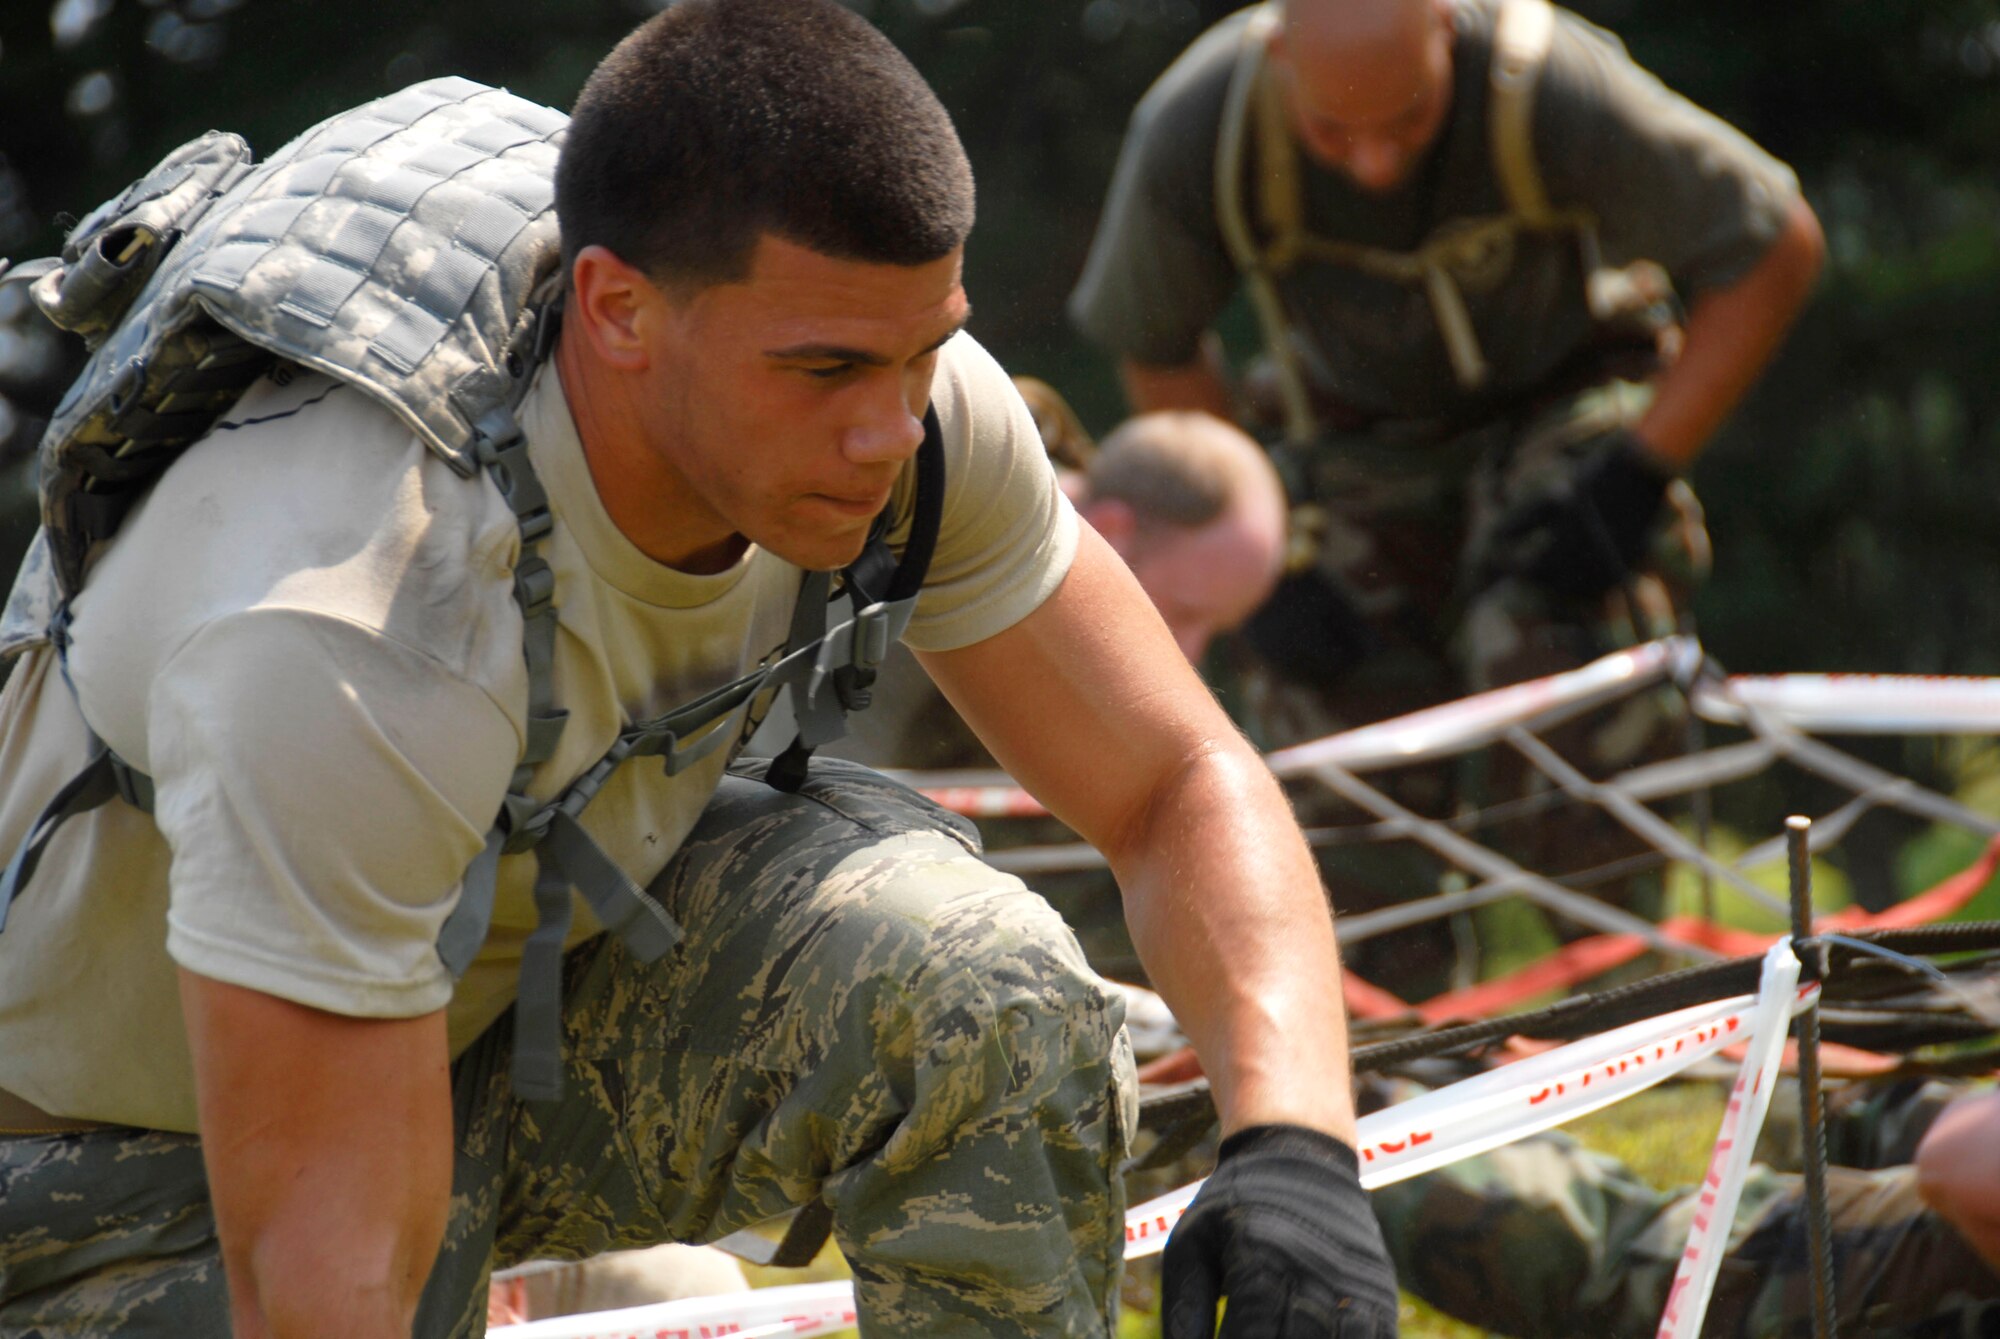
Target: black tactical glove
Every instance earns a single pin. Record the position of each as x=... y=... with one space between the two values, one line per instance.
x=1285 y=1232
x=1588 y=535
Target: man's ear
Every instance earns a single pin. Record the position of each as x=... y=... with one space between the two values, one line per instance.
x=1115 y=520
x=613 y=303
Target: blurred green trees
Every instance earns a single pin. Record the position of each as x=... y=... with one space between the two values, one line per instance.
x=1854 y=500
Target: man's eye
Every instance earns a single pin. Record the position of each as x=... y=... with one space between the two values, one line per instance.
x=828 y=373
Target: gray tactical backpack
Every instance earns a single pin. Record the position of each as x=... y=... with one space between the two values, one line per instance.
x=407 y=248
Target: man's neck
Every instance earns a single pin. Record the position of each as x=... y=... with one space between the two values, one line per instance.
x=646 y=498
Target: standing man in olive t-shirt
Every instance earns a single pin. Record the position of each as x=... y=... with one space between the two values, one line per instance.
x=1457 y=223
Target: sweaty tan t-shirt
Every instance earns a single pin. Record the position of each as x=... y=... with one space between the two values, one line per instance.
x=307 y=636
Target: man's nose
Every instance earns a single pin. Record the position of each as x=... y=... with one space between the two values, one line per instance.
x=887 y=430
x=1374 y=161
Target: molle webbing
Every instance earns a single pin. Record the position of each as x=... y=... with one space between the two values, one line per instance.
x=393 y=247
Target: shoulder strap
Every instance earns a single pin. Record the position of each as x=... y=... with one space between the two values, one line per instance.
x=1522 y=35
x=1252 y=102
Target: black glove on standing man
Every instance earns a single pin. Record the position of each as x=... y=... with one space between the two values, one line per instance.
x=1590 y=534
x=1284 y=1231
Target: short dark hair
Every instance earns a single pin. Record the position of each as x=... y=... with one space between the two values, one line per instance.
x=717 y=121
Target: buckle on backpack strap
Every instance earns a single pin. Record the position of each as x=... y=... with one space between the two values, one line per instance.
x=874 y=628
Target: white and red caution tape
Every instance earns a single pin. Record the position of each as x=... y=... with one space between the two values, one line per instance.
x=1502 y=1105
x=1841 y=703
x=798 y=1310
x=1408 y=1139
x=1722 y=1188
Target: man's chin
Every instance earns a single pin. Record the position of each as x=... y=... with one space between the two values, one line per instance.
x=819 y=553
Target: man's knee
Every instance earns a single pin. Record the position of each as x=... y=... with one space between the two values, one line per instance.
x=881 y=948
x=976 y=977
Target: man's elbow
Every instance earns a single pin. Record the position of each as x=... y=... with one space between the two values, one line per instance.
x=1200 y=383
x=289 y=1280
x=1796 y=257
x=1218 y=773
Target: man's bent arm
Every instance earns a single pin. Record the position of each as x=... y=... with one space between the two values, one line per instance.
x=1088 y=702
x=328 y=1144
x=1202 y=383
x=1731 y=335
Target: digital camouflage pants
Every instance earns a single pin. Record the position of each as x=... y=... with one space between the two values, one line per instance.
x=861 y=1010
x=1546 y=1240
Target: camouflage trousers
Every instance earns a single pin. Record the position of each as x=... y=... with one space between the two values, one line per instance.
x=1405 y=597
x=1546 y=1239
x=861 y=1011
x=1407 y=603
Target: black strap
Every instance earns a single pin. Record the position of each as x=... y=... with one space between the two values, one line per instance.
x=854 y=682
x=91 y=786
x=103 y=776
x=929 y=517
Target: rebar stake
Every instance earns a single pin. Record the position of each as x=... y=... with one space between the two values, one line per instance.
x=1812 y=1106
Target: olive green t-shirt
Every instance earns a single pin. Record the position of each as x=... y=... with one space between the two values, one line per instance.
x=1667 y=181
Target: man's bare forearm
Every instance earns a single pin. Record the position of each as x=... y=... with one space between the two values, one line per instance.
x=1248 y=963
x=1125 y=745
x=328 y=1146
x=1732 y=334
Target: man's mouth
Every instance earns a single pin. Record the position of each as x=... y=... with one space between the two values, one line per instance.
x=851 y=506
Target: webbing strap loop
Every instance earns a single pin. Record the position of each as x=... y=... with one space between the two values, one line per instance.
x=570 y=858
x=464 y=930
x=538 y=1008
x=619 y=904
x=95 y=783
x=133 y=786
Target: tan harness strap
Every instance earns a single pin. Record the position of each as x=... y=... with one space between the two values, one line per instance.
x=1248 y=86
x=1524 y=31
x=1280 y=196
x=1521 y=37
